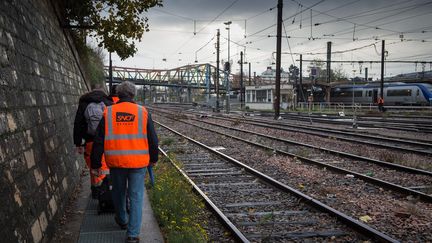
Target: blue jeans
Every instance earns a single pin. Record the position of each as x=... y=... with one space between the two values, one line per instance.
x=150 y=171
x=133 y=181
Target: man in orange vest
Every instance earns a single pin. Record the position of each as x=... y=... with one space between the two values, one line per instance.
x=127 y=138
x=381 y=104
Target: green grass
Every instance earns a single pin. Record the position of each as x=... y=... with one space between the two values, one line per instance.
x=167 y=141
x=177 y=208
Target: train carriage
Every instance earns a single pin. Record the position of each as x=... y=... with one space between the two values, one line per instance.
x=394 y=94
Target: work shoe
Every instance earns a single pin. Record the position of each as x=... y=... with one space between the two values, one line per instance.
x=122 y=226
x=132 y=240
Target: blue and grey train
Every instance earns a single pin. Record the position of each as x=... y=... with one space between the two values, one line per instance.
x=394 y=93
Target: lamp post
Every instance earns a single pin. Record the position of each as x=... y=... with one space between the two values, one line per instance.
x=110 y=74
x=228 y=69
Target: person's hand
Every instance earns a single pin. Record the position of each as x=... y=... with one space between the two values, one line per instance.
x=95 y=172
x=79 y=149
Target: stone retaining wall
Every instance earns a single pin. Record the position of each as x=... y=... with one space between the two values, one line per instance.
x=40 y=84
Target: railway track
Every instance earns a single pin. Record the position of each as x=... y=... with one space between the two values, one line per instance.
x=400 y=144
x=393 y=124
x=255 y=206
x=346 y=192
x=418 y=147
x=402 y=179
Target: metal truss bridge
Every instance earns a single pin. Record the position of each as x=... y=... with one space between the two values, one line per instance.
x=198 y=76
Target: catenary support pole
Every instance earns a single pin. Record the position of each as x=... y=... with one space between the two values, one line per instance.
x=366 y=74
x=278 y=59
x=300 y=89
x=228 y=71
x=382 y=68
x=250 y=82
x=329 y=45
x=217 y=70
x=241 y=81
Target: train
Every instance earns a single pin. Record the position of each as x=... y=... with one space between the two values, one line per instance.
x=394 y=94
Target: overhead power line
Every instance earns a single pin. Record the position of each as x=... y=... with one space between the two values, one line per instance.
x=370 y=12
x=206 y=44
x=390 y=22
x=349 y=30
x=289 y=46
x=173 y=14
x=375 y=20
x=263 y=12
x=313 y=5
x=226 y=9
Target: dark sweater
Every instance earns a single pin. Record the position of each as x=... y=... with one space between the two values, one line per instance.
x=99 y=139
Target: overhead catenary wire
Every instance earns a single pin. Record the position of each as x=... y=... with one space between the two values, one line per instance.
x=303 y=10
x=262 y=30
x=206 y=44
x=172 y=14
x=350 y=29
x=263 y=12
x=202 y=47
x=292 y=44
x=390 y=22
x=289 y=46
x=381 y=18
x=370 y=12
x=238 y=44
x=226 y=9
x=217 y=16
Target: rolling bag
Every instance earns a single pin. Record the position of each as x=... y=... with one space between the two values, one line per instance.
x=106 y=204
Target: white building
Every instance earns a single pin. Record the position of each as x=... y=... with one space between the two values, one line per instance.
x=262 y=97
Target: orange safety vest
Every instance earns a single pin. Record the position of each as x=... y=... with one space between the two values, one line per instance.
x=126 y=144
x=115 y=99
x=94 y=179
x=380 y=100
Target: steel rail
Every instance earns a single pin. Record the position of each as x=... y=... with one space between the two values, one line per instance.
x=416 y=142
x=344 y=122
x=355 y=224
x=344 y=154
x=222 y=217
x=396 y=126
x=409 y=142
x=385 y=184
x=254 y=121
x=412 y=143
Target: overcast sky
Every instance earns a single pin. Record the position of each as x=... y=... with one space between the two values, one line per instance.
x=405 y=25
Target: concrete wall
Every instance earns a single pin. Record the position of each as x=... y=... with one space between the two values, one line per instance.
x=40 y=84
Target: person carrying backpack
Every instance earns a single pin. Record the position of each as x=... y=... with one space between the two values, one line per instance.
x=90 y=111
x=128 y=139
